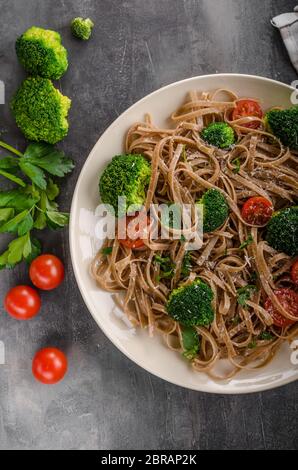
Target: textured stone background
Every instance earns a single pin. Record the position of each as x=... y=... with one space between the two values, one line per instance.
x=107 y=402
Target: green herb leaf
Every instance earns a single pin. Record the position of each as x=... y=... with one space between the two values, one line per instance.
x=18 y=249
x=26 y=225
x=36 y=175
x=186 y=264
x=191 y=342
x=18 y=199
x=244 y=294
x=107 y=251
x=48 y=158
x=35 y=250
x=12 y=225
x=40 y=221
x=253 y=344
x=57 y=219
x=246 y=242
x=236 y=162
x=266 y=335
x=6 y=214
x=9 y=164
x=167 y=267
x=52 y=190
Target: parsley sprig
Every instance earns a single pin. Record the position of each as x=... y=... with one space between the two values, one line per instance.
x=32 y=204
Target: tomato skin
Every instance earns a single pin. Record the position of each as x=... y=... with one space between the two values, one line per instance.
x=49 y=366
x=294 y=272
x=289 y=300
x=22 y=302
x=246 y=108
x=46 y=272
x=137 y=243
x=257 y=210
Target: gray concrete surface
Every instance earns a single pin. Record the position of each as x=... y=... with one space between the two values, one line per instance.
x=107 y=402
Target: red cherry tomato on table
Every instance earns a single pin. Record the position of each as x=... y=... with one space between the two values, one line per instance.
x=294 y=272
x=22 y=302
x=46 y=272
x=49 y=366
x=289 y=300
x=134 y=236
x=257 y=210
x=248 y=108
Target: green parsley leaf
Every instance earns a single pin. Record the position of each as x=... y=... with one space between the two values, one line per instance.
x=18 y=199
x=236 y=162
x=244 y=294
x=26 y=225
x=167 y=267
x=246 y=242
x=186 y=264
x=48 y=158
x=253 y=344
x=35 y=250
x=57 y=219
x=9 y=164
x=107 y=251
x=266 y=335
x=191 y=342
x=6 y=214
x=12 y=225
x=17 y=250
x=52 y=190
x=36 y=175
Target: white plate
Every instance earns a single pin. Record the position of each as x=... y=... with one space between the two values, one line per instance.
x=151 y=353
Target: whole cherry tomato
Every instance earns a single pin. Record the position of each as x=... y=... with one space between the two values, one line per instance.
x=49 y=366
x=22 y=302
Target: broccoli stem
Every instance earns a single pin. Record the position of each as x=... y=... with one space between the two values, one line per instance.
x=10 y=148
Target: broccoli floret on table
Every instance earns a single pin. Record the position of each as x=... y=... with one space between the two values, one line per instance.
x=40 y=110
x=215 y=210
x=284 y=125
x=41 y=53
x=282 y=231
x=219 y=134
x=190 y=304
x=82 y=28
x=125 y=176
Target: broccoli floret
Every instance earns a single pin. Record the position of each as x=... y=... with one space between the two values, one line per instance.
x=190 y=304
x=215 y=210
x=282 y=231
x=41 y=53
x=126 y=176
x=219 y=134
x=40 y=110
x=284 y=125
x=82 y=28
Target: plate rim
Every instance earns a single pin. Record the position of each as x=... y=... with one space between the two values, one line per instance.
x=202 y=387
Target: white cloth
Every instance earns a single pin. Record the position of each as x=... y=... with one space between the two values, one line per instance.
x=287 y=23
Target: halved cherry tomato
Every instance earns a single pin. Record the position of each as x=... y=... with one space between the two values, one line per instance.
x=22 y=302
x=49 y=365
x=245 y=108
x=134 y=235
x=294 y=272
x=257 y=210
x=46 y=272
x=289 y=300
